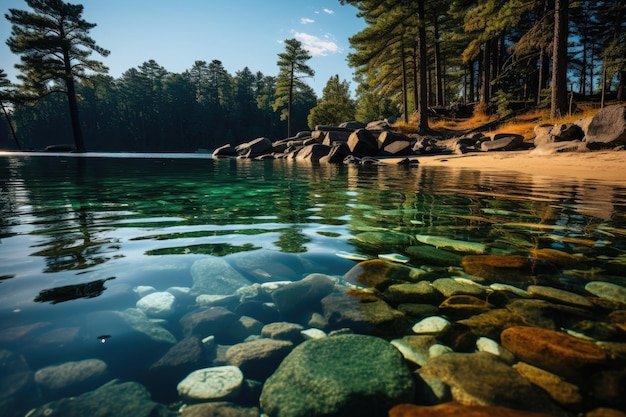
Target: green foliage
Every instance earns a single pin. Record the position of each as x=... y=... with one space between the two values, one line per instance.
x=501 y=100
x=292 y=66
x=335 y=106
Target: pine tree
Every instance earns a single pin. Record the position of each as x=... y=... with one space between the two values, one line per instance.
x=335 y=106
x=55 y=45
x=292 y=68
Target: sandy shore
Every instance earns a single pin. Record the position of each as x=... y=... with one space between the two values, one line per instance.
x=596 y=165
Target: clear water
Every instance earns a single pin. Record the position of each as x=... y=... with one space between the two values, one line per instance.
x=77 y=234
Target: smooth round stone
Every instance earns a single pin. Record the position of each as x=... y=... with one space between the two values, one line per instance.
x=607 y=290
x=484 y=344
x=144 y=290
x=559 y=296
x=211 y=384
x=430 y=325
x=157 y=304
x=309 y=334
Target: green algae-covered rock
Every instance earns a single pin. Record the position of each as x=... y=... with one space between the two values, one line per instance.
x=338 y=376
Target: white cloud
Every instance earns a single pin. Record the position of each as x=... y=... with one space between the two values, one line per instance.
x=306 y=20
x=329 y=11
x=315 y=45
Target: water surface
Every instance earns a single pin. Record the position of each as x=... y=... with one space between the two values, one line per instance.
x=79 y=233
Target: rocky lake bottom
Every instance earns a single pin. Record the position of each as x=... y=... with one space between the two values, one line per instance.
x=398 y=291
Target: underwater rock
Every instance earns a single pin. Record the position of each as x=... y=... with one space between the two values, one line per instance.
x=338 y=376
x=454 y=409
x=452 y=244
x=283 y=331
x=449 y=287
x=158 y=304
x=259 y=358
x=113 y=399
x=71 y=377
x=430 y=255
x=385 y=238
x=211 y=384
x=491 y=323
x=214 y=275
x=559 y=296
x=219 y=409
x=415 y=348
x=419 y=292
x=484 y=344
x=607 y=290
x=557 y=257
x=370 y=315
x=17 y=388
x=380 y=274
x=303 y=295
x=185 y=356
x=510 y=269
x=137 y=320
x=430 y=325
x=482 y=378
x=545 y=314
x=553 y=351
x=215 y=321
x=464 y=305
x=566 y=394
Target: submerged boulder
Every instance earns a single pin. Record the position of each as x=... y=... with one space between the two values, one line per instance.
x=338 y=376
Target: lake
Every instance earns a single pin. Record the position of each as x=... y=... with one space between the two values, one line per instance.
x=84 y=238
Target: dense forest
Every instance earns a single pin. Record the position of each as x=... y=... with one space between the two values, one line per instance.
x=412 y=55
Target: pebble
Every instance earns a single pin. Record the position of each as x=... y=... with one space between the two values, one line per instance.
x=309 y=334
x=430 y=325
x=211 y=384
x=157 y=304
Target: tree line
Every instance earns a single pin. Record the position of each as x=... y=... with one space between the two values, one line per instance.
x=412 y=55
x=427 y=53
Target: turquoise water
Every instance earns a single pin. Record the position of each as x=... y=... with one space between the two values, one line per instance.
x=79 y=234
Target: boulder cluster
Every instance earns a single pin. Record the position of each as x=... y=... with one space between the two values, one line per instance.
x=355 y=142
x=384 y=339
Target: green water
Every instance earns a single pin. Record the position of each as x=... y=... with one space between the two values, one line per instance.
x=78 y=234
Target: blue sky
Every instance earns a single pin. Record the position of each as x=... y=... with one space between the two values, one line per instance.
x=240 y=33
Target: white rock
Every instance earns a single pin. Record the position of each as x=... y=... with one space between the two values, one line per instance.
x=157 y=304
x=144 y=290
x=211 y=384
x=428 y=325
x=309 y=334
x=438 y=350
x=505 y=287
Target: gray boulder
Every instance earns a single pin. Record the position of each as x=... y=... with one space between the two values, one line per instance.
x=503 y=142
x=346 y=375
x=254 y=148
x=71 y=377
x=362 y=143
x=607 y=128
x=213 y=275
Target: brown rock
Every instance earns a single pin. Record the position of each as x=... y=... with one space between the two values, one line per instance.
x=454 y=409
x=510 y=269
x=259 y=358
x=219 y=409
x=283 y=331
x=552 y=350
x=464 y=305
x=483 y=379
x=557 y=257
x=378 y=274
x=492 y=323
x=605 y=412
x=559 y=296
x=564 y=393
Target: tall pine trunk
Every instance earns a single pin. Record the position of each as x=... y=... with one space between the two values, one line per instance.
x=559 y=106
x=73 y=104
